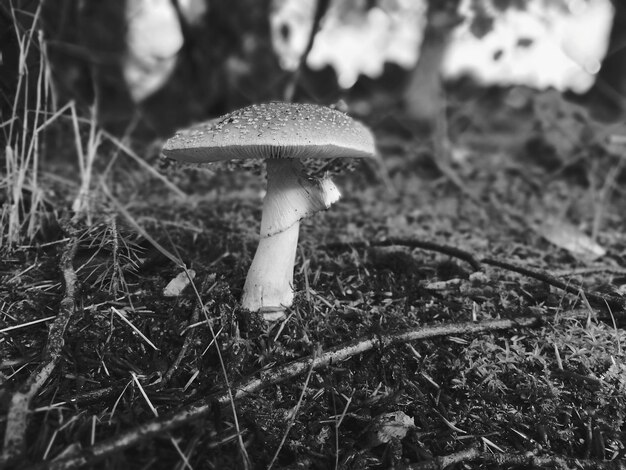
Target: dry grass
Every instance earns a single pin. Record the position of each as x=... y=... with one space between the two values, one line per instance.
x=20 y=214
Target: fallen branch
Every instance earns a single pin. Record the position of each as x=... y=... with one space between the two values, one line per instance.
x=412 y=243
x=597 y=300
x=271 y=377
x=17 y=417
x=516 y=460
x=606 y=303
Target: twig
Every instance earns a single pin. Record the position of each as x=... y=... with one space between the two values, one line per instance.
x=133 y=327
x=271 y=377
x=93 y=396
x=229 y=392
x=246 y=464
x=439 y=463
x=292 y=420
x=131 y=220
x=516 y=460
x=189 y=337
x=586 y=271
x=24 y=325
x=412 y=243
x=599 y=301
x=17 y=417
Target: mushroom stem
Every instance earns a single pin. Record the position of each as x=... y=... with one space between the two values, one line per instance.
x=291 y=196
x=268 y=287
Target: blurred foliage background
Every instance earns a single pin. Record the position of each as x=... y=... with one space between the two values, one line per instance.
x=152 y=66
x=138 y=70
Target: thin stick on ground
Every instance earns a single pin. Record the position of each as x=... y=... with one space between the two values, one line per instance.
x=189 y=337
x=190 y=333
x=274 y=376
x=598 y=300
x=229 y=393
x=292 y=420
x=516 y=460
x=133 y=222
x=229 y=396
x=17 y=417
x=412 y=243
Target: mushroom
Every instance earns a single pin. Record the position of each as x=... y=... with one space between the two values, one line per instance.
x=283 y=134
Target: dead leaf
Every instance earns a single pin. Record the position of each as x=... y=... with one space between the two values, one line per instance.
x=176 y=286
x=388 y=427
x=566 y=236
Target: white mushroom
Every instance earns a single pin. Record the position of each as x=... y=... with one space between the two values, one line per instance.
x=282 y=134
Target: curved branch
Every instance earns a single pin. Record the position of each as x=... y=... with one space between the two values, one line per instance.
x=273 y=376
x=19 y=408
x=516 y=460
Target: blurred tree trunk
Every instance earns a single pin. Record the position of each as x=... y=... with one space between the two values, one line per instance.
x=423 y=97
x=607 y=98
x=223 y=56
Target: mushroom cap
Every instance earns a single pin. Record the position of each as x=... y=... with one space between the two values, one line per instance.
x=274 y=130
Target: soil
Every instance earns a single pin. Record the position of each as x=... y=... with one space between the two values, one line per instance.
x=528 y=180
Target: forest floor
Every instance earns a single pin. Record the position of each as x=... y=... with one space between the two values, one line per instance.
x=508 y=258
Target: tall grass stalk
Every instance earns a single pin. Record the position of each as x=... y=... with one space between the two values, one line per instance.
x=86 y=157
x=19 y=217
x=33 y=110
